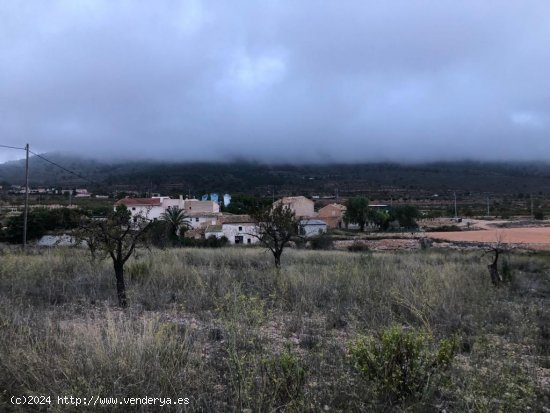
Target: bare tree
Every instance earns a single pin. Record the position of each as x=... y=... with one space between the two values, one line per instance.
x=84 y=234
x=277 y=227
x=118 y=236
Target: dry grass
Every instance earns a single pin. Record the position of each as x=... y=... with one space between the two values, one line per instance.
x=227 y=330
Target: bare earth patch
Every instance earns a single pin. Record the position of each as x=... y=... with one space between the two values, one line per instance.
x=536 y=238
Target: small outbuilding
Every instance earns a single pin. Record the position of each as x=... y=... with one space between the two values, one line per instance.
x=312 y=227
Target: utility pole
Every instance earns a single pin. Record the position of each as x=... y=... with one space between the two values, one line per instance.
x=456 y=215
x=26 y=213
x=488 y=210
x=532 y=215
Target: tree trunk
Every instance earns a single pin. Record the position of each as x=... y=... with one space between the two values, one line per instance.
x=496 y=278
x=277 y=256
x=120 y=286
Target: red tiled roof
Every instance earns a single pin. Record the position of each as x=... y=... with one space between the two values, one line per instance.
x=139 y=201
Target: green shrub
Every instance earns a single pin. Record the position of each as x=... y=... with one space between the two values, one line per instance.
x=284 y=379
x=506 y=271
x=446 y=228
x=358 y=247
x=158 y=235
x=321 y=242
x=400 y=364
x=210 y=242
x=139 y=270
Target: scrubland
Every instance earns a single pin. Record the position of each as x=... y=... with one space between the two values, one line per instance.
x=226 y=329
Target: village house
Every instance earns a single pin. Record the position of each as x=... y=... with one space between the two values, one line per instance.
x=238 y=229
x=201 y=220
x=150 y=208
x=300 y=205
x=332 y=215
x=82 y=193
x=194 y=206
x=214 y=230
x=199 y=214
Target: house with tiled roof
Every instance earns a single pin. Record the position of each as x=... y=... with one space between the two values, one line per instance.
x=199 y=213
x=300 y=205
x=332 y=215
x=238 y=229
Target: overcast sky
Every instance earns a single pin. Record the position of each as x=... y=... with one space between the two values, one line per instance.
x=277 y=80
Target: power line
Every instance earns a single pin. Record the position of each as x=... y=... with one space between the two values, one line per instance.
x=27 y=150
x=11 y=147
x=53 y=163
x=65 y=169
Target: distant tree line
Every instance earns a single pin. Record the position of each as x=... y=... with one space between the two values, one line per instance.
x=358 y=212
x=41 y=221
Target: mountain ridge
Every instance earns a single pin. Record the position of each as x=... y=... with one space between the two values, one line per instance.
x=262 y=178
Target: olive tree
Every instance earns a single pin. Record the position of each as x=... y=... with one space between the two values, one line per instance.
x=277 y=227
x=118 y=235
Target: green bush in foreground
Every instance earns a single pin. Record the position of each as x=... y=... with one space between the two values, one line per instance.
x=401 y=364
x=285 y=378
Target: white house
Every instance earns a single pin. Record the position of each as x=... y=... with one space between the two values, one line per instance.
x=238 y=229
x=150 y=208
x=201 y=220
x=312 y=227
x=213 y=231
x=82 y=193
x=153 y=208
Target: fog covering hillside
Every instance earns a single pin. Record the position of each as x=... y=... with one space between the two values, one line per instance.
x=252 y=177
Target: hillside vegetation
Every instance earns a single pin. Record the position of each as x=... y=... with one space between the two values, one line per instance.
x=377 y=179
x=329 y=331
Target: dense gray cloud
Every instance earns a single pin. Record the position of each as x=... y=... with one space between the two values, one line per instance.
x=277 y=80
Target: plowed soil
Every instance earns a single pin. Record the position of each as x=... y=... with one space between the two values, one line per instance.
x=537 y=238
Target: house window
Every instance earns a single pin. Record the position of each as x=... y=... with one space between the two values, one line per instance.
x=249 y=241
x=240 y=228
x=196 y=220
x=133 y=208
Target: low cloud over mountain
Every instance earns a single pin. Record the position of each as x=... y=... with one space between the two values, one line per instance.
x=276 y=80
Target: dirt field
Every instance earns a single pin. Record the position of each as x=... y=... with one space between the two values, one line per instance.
x=537 y=238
